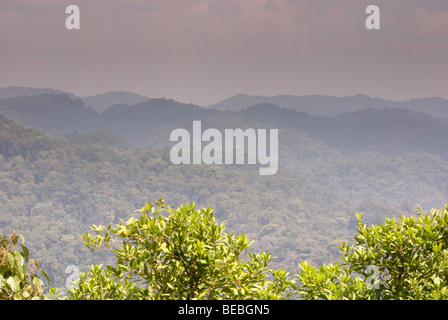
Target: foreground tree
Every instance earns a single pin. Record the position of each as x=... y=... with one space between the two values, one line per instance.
x=18 y=280
x=406 y=259
x=179 y=253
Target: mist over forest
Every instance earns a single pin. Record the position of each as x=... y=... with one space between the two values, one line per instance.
x=68 y=162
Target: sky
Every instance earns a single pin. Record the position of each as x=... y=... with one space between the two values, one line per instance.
x=204 y=51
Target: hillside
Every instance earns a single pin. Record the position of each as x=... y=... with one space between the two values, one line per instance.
x=332 y=106
x=79 y=180
x=55 y=114
x=101 y=102
x=81 y=167
x=366 y=154
x=15 y=91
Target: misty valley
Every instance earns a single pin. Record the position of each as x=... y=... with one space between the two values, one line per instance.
x=68 y=162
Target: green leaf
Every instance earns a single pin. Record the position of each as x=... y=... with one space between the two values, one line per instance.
x=13 y=283
x=43 y=272
x=38 y=281
x=163 y=248
x=26 y=253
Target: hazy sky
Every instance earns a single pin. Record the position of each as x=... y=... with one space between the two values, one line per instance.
x=203 y=51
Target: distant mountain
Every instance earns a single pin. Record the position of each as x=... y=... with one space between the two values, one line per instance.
x=239 y=102
x=98 y=102
x=56 y=114
x=14 y=91
x=101 y=102
x=311 y=104
x=372 y=115
x=151 y=122
x=141 y=123
x=387 y=131
x=332 y=106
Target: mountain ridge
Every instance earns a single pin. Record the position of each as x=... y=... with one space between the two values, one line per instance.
x=150 y=122
x=332 y=106
x=326 y=105
x=99 y=102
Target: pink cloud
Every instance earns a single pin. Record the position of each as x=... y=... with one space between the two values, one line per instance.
x=423 y=22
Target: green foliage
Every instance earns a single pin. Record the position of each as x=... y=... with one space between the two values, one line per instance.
x=409 y=260
x=18 y=141
x=179 y=253
x=17 y=278
x=185 y=254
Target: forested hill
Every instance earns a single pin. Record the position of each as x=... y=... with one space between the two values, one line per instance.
x=150 y=123
x=387 y=155
x=15 y=91
x=53 y=113
x=332 y=106
x=81 y=167
x=99 y=102
x=54 y=192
